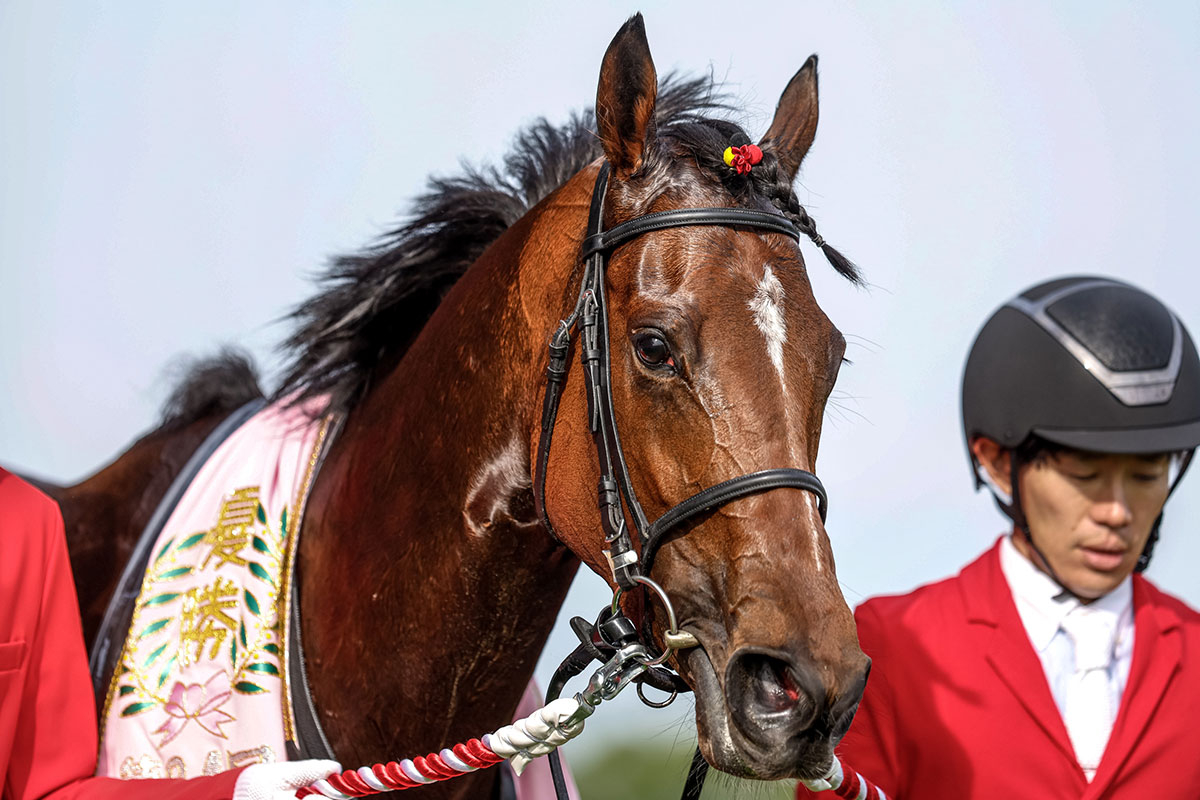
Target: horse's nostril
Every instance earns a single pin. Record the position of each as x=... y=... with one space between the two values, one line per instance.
x=775 y=687
x=782 y=703
x=769 y=687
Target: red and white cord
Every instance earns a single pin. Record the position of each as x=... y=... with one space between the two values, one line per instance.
x=850 y=786
x=524 y=740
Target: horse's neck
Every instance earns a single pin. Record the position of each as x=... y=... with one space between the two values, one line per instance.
x=428 y=585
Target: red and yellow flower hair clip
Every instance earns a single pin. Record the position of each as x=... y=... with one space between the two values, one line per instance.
x=743 y=157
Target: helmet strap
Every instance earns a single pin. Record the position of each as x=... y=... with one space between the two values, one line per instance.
x=1148 y=551
x=1017 y=514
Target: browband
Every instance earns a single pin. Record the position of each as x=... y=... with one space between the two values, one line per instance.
x=660 y=220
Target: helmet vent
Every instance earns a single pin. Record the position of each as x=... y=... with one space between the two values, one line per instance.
x=1127 y=340
x=1125 y=330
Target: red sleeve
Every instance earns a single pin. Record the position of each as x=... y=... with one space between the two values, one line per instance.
x=869 y=747
x=53 y=732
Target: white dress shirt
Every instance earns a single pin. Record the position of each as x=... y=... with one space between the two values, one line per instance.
x=1042 y=604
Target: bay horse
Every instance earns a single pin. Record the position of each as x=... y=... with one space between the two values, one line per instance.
x=429 y=579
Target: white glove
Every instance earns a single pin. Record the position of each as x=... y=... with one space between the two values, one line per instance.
x=279 y=781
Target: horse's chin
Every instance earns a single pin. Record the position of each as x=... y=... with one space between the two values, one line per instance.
x=727 y=749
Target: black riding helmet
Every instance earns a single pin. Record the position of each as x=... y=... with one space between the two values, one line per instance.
x=1085 y=362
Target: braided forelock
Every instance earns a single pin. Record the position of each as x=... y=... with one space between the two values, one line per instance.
x=705 y=141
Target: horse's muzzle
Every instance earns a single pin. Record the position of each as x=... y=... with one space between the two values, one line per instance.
x=786 y=716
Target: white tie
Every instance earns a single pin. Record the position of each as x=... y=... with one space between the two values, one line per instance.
x=1090 y=707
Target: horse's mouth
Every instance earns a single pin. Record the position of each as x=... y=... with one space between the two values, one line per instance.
x=727 y=747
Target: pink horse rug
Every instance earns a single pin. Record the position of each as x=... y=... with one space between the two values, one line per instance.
x=201 y=685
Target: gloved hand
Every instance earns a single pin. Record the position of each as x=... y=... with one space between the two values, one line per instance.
x=280 y=781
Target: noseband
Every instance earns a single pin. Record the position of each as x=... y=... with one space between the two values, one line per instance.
x=591 y=310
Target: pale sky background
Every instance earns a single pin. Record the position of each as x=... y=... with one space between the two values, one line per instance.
x=172 y=175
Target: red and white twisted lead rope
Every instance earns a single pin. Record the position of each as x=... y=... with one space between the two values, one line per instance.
x=524 y=740
x=850 y=786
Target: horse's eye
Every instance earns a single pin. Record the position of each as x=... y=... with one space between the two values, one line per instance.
x=652 y=350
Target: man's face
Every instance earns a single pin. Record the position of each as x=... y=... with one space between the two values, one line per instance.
x=1091 y=513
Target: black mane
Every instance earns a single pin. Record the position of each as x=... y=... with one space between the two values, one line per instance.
x=376 y=301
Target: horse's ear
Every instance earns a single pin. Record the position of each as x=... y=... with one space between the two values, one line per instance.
x=795 y=124
x=625 y=99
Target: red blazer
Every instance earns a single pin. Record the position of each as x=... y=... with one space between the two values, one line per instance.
x=957 y=705
x=48 y=740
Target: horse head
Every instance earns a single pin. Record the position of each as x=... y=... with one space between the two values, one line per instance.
x=721 y=363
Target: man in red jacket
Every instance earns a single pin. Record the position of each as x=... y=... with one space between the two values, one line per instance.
x=48 y=736
x=1049 y=667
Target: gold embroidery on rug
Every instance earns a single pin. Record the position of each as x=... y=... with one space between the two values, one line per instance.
x=204 y=619
x=257 y=755
x=209 y=624
x=233 y=529
x=174 y=627
x=214 y=763
x=145 y=767
x=284 y=609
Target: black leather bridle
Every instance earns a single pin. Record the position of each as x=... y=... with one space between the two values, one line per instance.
x=591 y=315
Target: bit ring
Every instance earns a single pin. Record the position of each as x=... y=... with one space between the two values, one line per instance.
x=674 y=638
x=656 y=703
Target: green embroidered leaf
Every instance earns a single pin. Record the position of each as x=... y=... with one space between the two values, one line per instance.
x=164 y=550
x=191 y=541
x=261 y=573
x=261 y=513
x=166 y=673
x=154 y=627
x=273 y=649
x=158 y=652
x=124 y=690
x=252 y=604
x=233 y=651
x=265 y=668
x=159 y=599
x=172 y=574
x=246 y=687
x=283 y=523
x=261 y=546
x=242 y=633
x=136 y=708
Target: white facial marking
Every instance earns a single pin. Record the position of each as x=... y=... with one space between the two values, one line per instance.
x=815 y=515
x=767 y=305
